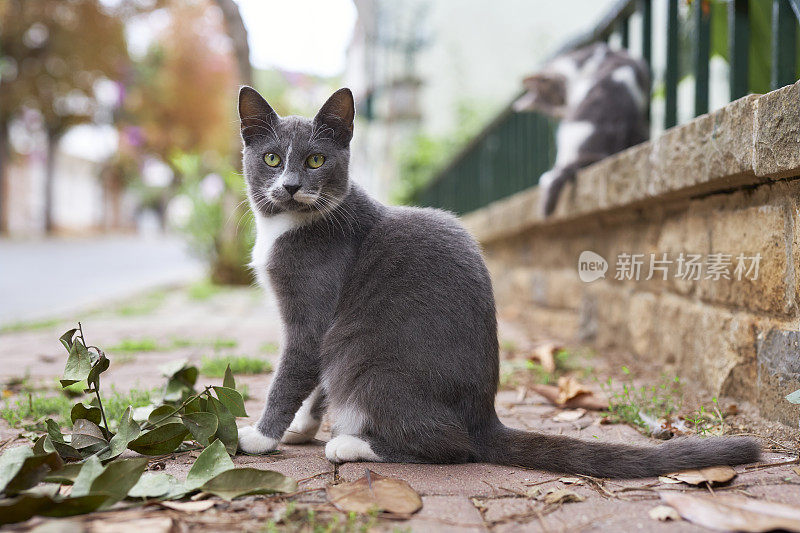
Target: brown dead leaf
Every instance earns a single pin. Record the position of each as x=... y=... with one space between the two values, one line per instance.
x=545 y=355
x=734 y=513
x=154 y=525
x=569 y=416
x=712 y=474
x=586 y=401
x=571 y=480
x=189 y=507
x=664 y=513
x=796 y=470
x=554 y=496
x=375 y=492
x=664 y=479
x=569 y=388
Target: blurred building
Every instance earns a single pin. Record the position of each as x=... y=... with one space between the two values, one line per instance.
x=415 y=66
x=83 y=202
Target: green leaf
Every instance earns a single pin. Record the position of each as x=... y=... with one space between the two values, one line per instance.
x=65 y=476
x=119 y=477
x=232 y=400
x=11 y=462
x=86 y=434
x=794 y=397
x=227 y=431
x=202 y=426
x=29 y=505
x=155 y=485
x=43 y=445
x=198 y=405
x=91 y=468
x=161 y=440
x=66 y=451
x=66 y=338
x=90 y=413
x=210 y=463
x=100 y=366
x=127 y=430
x=229 y=381
x=20 y=469
x=54 y=431
x=158 y=414
x=79 y=364
x=75 y=505
x=242 y=481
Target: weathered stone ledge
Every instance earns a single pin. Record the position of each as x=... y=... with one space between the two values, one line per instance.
x=748 y=142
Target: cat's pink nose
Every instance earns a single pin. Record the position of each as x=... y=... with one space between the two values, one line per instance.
x=291 y=189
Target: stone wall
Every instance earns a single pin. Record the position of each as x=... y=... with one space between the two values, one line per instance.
x=727 y=183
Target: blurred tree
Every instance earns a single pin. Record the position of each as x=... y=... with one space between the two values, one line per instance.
x=234 y=26
x=52 y=55
x=179 y=96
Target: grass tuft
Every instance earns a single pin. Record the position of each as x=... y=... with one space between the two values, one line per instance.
x=240 y=364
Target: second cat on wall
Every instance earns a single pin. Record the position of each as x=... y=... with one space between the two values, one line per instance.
x=600 y=96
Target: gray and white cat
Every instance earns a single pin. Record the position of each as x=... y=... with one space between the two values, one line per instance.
x=389 y=320
x=601 y=96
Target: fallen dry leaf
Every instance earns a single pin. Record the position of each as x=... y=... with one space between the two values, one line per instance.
x=796 y=470
x=569 y=416
x=664 y=479
x=664 y=513
x=712 y=474
x=545 y=355
x=585 y=401
x=375 y=492
x=571 y=480
x=569 y=388
x=734 y=513
x=562 y=496
x=189 y=507
x=154 y=525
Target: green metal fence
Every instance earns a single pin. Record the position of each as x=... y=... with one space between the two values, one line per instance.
x=512 y=152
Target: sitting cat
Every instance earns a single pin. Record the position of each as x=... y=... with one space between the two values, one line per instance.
x=389 y=320
x=601 y=96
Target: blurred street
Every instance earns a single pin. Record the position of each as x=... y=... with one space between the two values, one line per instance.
x=52 y=277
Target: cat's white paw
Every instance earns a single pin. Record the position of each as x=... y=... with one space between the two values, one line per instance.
x=303 y=429
x=252 y=441
x=348 y=448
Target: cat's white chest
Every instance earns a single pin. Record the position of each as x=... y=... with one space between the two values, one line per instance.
x=268 y=231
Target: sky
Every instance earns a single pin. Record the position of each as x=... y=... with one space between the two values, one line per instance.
x=300 y=35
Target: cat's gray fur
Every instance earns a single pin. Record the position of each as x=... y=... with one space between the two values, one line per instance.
x=389 y=321
x=601 y=96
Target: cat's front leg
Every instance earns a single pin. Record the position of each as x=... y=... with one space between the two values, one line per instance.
x=294 y=381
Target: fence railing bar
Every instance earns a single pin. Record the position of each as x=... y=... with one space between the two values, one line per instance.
x=784 y=44
x=646 y=8
x=624 y=32
x=739 y=47
x=601 y=32
x=702 y=32
x=671 y=75
x=795 y=4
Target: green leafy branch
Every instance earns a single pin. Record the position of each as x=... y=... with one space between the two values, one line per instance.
x=88 y=456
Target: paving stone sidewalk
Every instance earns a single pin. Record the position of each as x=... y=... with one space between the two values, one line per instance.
x=469 y=497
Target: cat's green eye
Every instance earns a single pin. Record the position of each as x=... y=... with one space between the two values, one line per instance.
x=315 y=161
x=272 y=160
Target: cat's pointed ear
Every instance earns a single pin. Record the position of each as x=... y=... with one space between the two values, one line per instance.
x=338 y=114
x=255 y=114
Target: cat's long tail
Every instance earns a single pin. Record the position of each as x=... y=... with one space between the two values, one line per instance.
x=558 y=453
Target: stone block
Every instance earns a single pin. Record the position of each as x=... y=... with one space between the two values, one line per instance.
x=777 y=133
x=778 y=356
